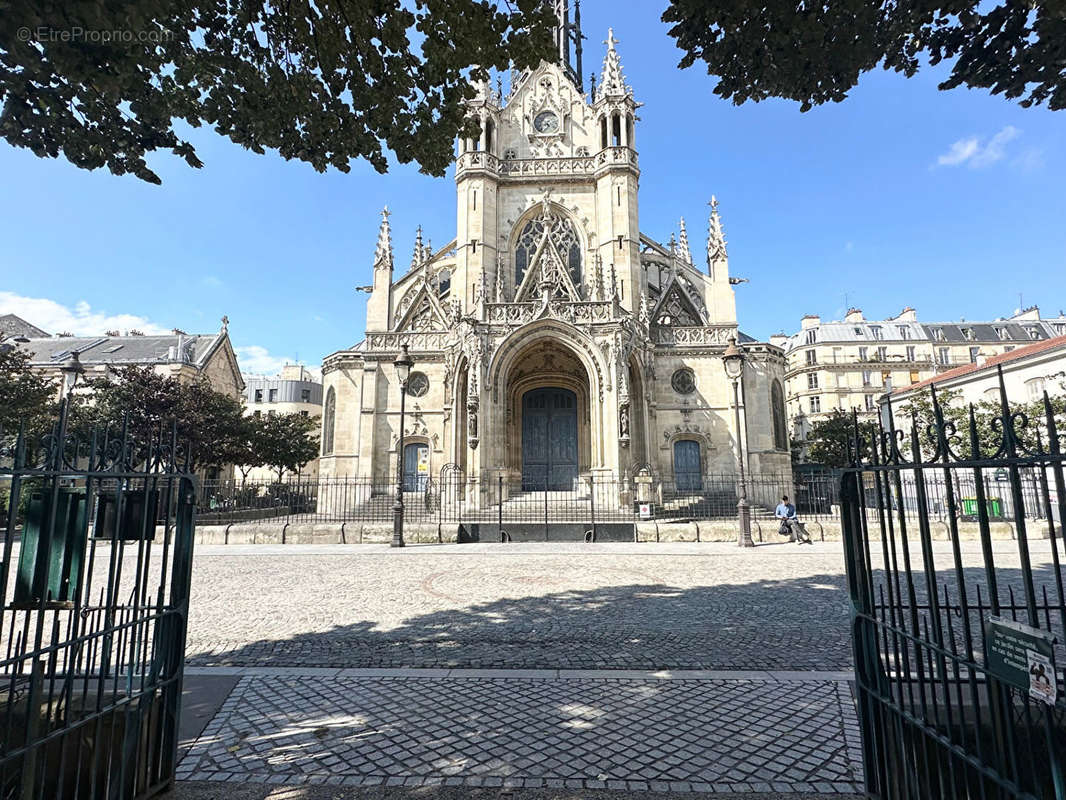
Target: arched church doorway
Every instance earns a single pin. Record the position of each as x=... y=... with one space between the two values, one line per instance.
x=548 y=414
x=549 y=439
x=688 y=467
x=415 y=467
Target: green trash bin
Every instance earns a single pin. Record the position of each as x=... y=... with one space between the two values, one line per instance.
x=50 y=555
x=993 y=505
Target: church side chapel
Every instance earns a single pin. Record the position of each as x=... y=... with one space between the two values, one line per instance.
x=553 y=340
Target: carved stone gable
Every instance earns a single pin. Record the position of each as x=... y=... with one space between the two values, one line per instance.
x=675 y=308
x=422 y=313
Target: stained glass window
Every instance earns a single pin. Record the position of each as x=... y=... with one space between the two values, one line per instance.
x=563 y=237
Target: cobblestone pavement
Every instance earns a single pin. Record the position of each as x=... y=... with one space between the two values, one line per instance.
x=637 y=606
x=521 y=606
x=632 y=734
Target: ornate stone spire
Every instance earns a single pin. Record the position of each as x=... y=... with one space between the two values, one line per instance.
x=684 y=252
x=419 y=255
x=716 y=250
x=612 y=81
x=498 y=293
x=383 y=253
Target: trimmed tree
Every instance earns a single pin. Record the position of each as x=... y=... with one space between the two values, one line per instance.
x=26 y=396
x=814 y=53
x=324 y=82
x=208 y=422
x=829 y=441
x=285 y=442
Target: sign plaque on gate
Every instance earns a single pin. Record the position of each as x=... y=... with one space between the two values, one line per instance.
x=1021 y=656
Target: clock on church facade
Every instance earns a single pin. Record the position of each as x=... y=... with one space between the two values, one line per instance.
x=553 y=338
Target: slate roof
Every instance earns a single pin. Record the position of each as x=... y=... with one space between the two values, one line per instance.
x=986 y=331
x=123 y=350
x=13 y=325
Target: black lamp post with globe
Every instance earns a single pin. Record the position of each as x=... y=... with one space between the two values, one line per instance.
x=403 y=366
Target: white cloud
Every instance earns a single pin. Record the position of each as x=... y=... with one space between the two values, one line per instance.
x=971 y=152
x=958 y=152
x=211 y=282
x=81 y=320
x=257 y=360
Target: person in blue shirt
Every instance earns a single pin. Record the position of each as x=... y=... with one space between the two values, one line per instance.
x=786 y=512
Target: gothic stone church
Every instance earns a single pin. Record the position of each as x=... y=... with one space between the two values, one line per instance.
x=553 y=340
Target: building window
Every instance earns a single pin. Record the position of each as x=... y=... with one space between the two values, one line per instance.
x=840 y=379
x=1034 y=333
x=1035 y=387
x=910 y=353
x=812 y=356
x=683 y=381
x=562 y=235
x=329 y=415
x=259 y=395
x=838 y=355
x=968 y=333
x=816 y=404
x=859 y=331
x=812 y=380
x=914 y=376
x=938 y=334
x=417 y=384
x=864 y=353
x=305 y=395
x=870 y=402
x=904 y=332
x=1008 y=348
x=444 y=283
x=812 y=336
x=867 y=377
x=974 y=353
x=882 y=354
x=1001 y=333
x=273 y=395
x=943 y=356
x=777 y=409
x=876 y=331
x=1060 y=328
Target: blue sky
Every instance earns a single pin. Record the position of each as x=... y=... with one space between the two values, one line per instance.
x=951 y=202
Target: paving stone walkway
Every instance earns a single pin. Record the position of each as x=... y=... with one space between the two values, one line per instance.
x=368 y=667
x=638 y=734
x=643 y=606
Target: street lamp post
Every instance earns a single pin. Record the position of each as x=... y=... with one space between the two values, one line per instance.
x=733 y=359
x=72 y=369
x=403 y=366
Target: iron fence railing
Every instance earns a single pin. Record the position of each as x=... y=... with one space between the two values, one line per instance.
x=94 y=594
x=960 y=653
x=452 y=496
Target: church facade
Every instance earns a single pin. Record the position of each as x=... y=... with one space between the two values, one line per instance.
x=552 y=339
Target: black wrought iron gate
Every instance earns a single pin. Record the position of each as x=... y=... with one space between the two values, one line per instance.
x=94 y=586
x=956 y=580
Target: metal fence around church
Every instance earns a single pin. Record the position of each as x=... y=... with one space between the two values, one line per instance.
x=452 y=496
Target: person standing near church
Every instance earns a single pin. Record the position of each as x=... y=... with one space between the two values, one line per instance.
x=786 y=512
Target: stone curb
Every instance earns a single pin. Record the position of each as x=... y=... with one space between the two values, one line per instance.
x=529 y=674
